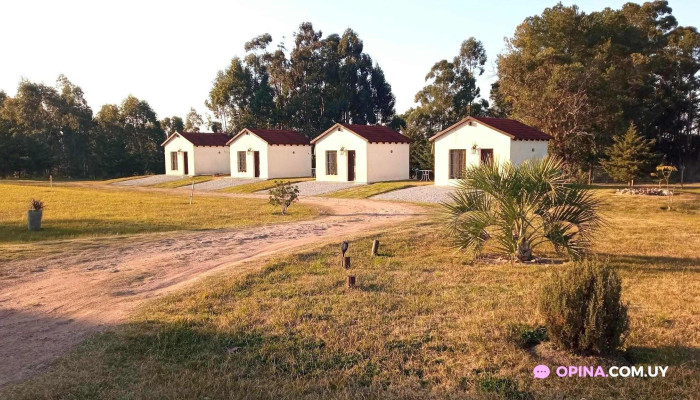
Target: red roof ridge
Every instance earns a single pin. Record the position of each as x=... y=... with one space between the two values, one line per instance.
x=371 y=133
x=512 y=128
x=274 y=136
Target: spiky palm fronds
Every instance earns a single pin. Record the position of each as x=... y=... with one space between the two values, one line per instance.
x=520 y=208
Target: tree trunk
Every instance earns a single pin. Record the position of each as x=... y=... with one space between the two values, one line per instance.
x=524 y=250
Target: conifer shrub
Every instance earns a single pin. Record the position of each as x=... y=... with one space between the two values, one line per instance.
x=582 y=309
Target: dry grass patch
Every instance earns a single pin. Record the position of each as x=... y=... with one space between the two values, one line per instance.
x=423 y=323
x=373 y=189
x=74 y=212
x=262 y=185
x=182 y=182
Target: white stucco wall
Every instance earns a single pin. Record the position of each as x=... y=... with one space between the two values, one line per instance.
x=463 y=138
x=334 y=141
x=243 y=143
x=288 y=161
x=387 y=162
x=211 y=160
x=179 y=144
x=523 y=150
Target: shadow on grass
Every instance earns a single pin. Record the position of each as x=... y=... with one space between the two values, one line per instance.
x=665 y=355
x=70 y=228
x=652 y=263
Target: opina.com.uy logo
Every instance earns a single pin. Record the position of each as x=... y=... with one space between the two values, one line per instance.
x=587 y=371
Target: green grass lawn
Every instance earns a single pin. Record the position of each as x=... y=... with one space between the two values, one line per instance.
x=182 y=182
x=262 y=185
x=73 y=212
x=373 y=189
x=423 y=323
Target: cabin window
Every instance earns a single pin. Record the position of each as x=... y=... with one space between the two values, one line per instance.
x=173 y=160
x=241 y=161
x=331 y=163
x=458 y=163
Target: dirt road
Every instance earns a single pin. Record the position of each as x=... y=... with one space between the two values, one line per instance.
x=70 y=295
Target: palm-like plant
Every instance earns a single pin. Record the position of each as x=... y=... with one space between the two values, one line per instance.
x=521 y=208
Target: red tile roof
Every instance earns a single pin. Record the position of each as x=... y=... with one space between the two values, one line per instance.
x=205 y=139
x=510 y=127
x=517 y=129
x=377 y=133
x=280 y=136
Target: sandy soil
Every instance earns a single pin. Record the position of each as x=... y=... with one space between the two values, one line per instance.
x=63 y=298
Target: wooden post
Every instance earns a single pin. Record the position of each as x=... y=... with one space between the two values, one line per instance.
x=375 y=247
x=192 y=192
x=350 y=281
x=345 y=262
x=51 y=181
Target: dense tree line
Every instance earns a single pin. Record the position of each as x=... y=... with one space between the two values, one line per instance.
x=52 y=130
x=583 y=78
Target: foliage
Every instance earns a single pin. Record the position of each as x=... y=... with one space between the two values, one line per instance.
x=583 y=310
x=318 y=82
x=629 y=156
x=193 y=121
x=583 y=77
x=521 y=208
x=51 y=130
x=36 y=205
x=449 y=95
x=283 y=195
x=525 y=336
x=173 y=124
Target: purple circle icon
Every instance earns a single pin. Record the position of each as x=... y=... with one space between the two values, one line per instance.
x=541 y=371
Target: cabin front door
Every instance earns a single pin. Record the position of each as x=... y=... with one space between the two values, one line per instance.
x=256 y=163
x=351 y=165
x=185 y=163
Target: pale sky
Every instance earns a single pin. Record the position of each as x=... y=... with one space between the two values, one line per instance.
x=168 y=53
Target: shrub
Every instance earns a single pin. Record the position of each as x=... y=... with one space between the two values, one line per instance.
x=519 y=208
x=283 y=195
x=582 y=309
x=526 y=336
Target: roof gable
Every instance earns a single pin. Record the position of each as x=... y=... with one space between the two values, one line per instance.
x=200 y=138
x=274 y=136
x=370 y=133
x=516 y=130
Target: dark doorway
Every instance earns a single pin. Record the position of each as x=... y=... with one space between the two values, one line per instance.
x=351 y=165
x=256 y=163
x=185 y=163
x=486 y=156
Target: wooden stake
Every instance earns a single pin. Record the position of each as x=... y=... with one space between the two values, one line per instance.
x=350 y=282
x=192 y=192
x=375 y=247
x=345 y=262
x=51 y=181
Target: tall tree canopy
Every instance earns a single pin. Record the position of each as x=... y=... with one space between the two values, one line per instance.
x=318 y=82
x=584 y=78
x=449 y=95
x=51 y=130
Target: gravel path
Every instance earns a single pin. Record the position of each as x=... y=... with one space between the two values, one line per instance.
x=314 y=188
x=418 y=194
x=149 y=180
x=221 y=183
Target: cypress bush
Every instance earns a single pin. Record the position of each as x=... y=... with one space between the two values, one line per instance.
x=582 y=309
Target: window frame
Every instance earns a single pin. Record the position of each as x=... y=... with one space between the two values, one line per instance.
x=242 y=161
x=332 y=171
x=461 y=159
x=173 y=161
